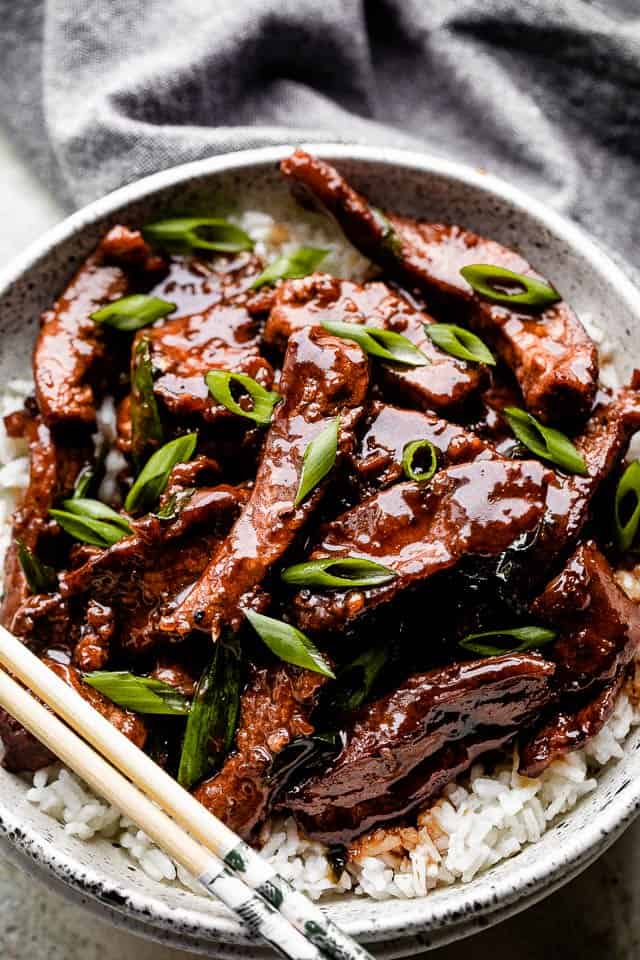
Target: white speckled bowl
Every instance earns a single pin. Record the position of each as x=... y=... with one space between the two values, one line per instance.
x=100 y=875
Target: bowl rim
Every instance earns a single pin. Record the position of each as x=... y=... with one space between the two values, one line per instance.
x=495 y=900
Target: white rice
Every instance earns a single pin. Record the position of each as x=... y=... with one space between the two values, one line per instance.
x=483 y=818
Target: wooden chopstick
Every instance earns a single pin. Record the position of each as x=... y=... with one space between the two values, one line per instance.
x=259 y=895
x=257 y=915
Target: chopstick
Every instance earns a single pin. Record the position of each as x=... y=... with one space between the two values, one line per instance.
x=227 y=866
x=210 y=870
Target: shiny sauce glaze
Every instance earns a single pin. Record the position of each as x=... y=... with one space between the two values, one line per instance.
x=323 y=377
x=495 y=539
x=405 y=747
x=551 y=355
x=417 y=531
x=445 y=382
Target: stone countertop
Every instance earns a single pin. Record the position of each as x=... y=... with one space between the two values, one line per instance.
x=596 y=917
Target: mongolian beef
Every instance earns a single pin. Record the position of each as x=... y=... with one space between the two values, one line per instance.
x=361 y=533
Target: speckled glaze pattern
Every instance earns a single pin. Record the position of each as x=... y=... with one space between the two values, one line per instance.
x=98 y=874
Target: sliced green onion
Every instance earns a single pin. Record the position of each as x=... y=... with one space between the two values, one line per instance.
x=141 y=694
x=288 y=643
x=459 y=342
x=40 y=577
x=627 y=506
x=153 y=477
x=133 y=312
x=490 y=281
x=290 y=266
x=390 y=239
x=83 y=481
x=414 y=449
x=318 y=460
x=175 y=504
x=146 y=426
x=356 y=679
x=338 y=572
x=214 y=713
x=529 y=637
x=96 y=510
x=263 y=401
x=385 y=344
x=545 y=442
x=182 y=234
x=98 y=533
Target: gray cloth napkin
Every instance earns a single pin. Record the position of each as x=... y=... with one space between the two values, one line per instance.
x=545 y=93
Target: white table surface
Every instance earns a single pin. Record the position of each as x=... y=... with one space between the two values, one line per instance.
x=596 y=917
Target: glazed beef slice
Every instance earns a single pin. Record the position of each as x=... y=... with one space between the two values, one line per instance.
x=553 y=358
x=444 y=383
x=323 y=377
x=275 y=708
x=476 y=509
x=401 y=750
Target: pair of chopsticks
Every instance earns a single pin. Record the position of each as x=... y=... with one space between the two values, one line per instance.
x=224 y=864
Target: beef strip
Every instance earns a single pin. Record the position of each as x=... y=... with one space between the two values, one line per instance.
x=480 y=508
x=275 y=708
x=444 y=383
x=323 y=377
x=184 y=349
x=598 y=626
x=603 y=443
x=53 y=469
x=599 y=635
x=143 y=574
x=553 y=358
x=71 y=348
x=23 y=752
x=208 y=509
x=569 y=499
x=195 y=285
x=569 y=729
x=378 y=459
x=177 y=671
x=401 y=750
x=94 y=647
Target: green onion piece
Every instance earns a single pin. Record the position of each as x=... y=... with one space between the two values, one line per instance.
x=545 y=442
x=263 y=401
x=390 y=239
x=153 y=477
x=288 y=643
x=290 y=266
x=459 y=342
x=530 y=638
x=175 y=504
x=409 y=453
x=133 y=312
x=141 y=694
x=318 y=460
x=214 y=713
x=493 y=283
x=98 y=533
x=146 y=426
x=40 y=577
x=83 y=481
x=356 y=679
x=385 y=344
x=627 y=506
x=96 y=510
x=338 y=572
x=183 y=234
